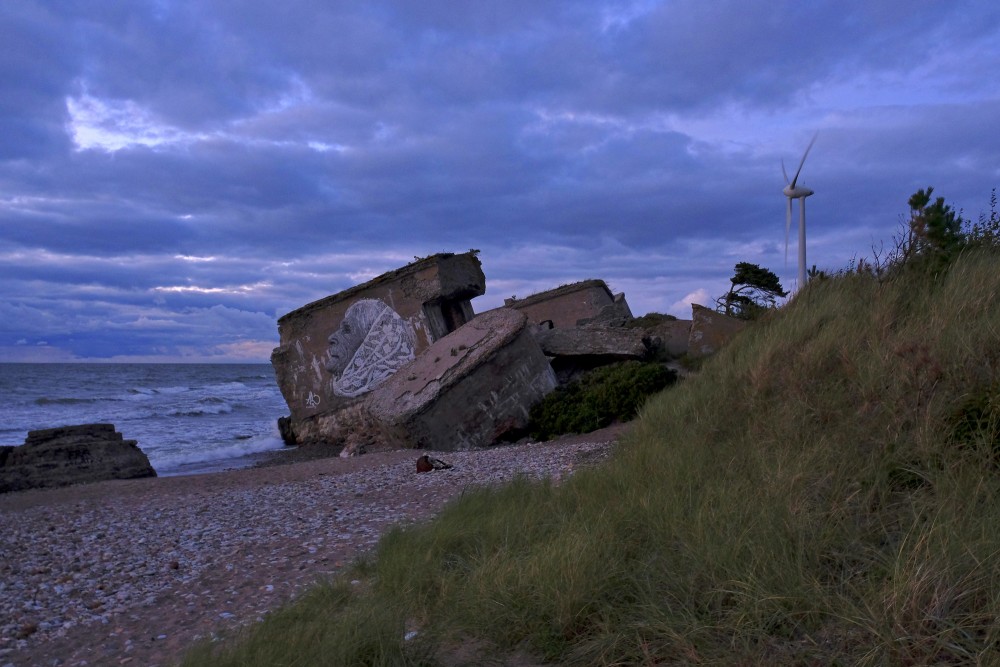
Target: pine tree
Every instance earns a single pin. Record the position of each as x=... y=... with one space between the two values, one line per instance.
x=754 y=289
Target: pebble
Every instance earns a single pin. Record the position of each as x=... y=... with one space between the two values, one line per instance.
x=126 y=554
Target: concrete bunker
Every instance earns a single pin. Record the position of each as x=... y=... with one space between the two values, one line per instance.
x=334 y=351
x=570 y=305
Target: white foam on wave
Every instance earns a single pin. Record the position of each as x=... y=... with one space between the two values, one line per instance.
x=171 y=390
x=169 y=463
x=220 y=408
x=225 y=387
x=143 y=393
x=139 y=394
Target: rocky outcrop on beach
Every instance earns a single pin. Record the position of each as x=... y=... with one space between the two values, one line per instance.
x=71 y=455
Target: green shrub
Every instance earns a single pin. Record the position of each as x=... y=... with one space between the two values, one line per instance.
x=598 y=399
x=977 y=418
x=649 y=320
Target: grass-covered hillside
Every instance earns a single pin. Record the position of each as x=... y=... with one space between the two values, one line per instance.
x=825 y=491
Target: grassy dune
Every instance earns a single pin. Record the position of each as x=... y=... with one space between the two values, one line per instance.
x=825 y=491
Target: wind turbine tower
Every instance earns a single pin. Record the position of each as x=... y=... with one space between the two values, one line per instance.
x=795 y=191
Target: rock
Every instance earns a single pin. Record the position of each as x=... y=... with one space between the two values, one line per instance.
x=287 y=431
x=356 y=429
x=613 y=344
x=615 y=314
x=71 y=455
x=670 y=339
x=26 y=630
x=576 y=351
x=710 y=330
x=466 y=386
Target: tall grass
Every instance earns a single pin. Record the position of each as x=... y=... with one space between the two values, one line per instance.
x=806 y=499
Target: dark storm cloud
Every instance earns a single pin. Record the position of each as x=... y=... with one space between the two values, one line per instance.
x=772 y=55
x=170 y=171
x=35 y=70
x=175 y=58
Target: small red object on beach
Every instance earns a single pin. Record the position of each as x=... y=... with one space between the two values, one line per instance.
x=426 y=464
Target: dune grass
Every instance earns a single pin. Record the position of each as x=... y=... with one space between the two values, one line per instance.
x=825 y=491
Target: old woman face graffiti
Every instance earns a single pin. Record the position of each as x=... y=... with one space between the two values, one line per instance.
x=371 y=343
x=344 y=342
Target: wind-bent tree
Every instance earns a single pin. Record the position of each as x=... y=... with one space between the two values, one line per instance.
x=934 y=227
x=754 y=290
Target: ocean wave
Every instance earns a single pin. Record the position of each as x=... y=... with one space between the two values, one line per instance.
x=225 y=386
x=183 y=412
x=168 y=462
x=140 y=394
x=171 y=390
x=147 y=392
x=46 y=400
x=255 y=378
x=211 y=408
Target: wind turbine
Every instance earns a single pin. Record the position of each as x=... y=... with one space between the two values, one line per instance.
x=800 y=192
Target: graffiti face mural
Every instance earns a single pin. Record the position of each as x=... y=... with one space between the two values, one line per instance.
x=373 y=341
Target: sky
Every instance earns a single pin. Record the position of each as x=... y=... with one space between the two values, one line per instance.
x=176 y=175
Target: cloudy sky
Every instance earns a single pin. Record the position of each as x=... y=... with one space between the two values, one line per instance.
x=176 y=174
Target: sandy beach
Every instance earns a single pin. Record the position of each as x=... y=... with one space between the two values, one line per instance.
x=134 y=572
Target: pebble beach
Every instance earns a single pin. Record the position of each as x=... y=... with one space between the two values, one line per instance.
x=135 y=572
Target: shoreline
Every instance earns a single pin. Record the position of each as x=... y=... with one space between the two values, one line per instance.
x=292 y=454
x=285 y=455
x=99 y=573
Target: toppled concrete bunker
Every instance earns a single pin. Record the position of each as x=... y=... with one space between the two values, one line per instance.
x=336 y=350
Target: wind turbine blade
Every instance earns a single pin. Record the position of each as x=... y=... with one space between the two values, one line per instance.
x=783 y=172
x=788 y=228
x=804 y=155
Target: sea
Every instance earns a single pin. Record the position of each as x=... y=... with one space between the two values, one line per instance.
x=187 y=418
